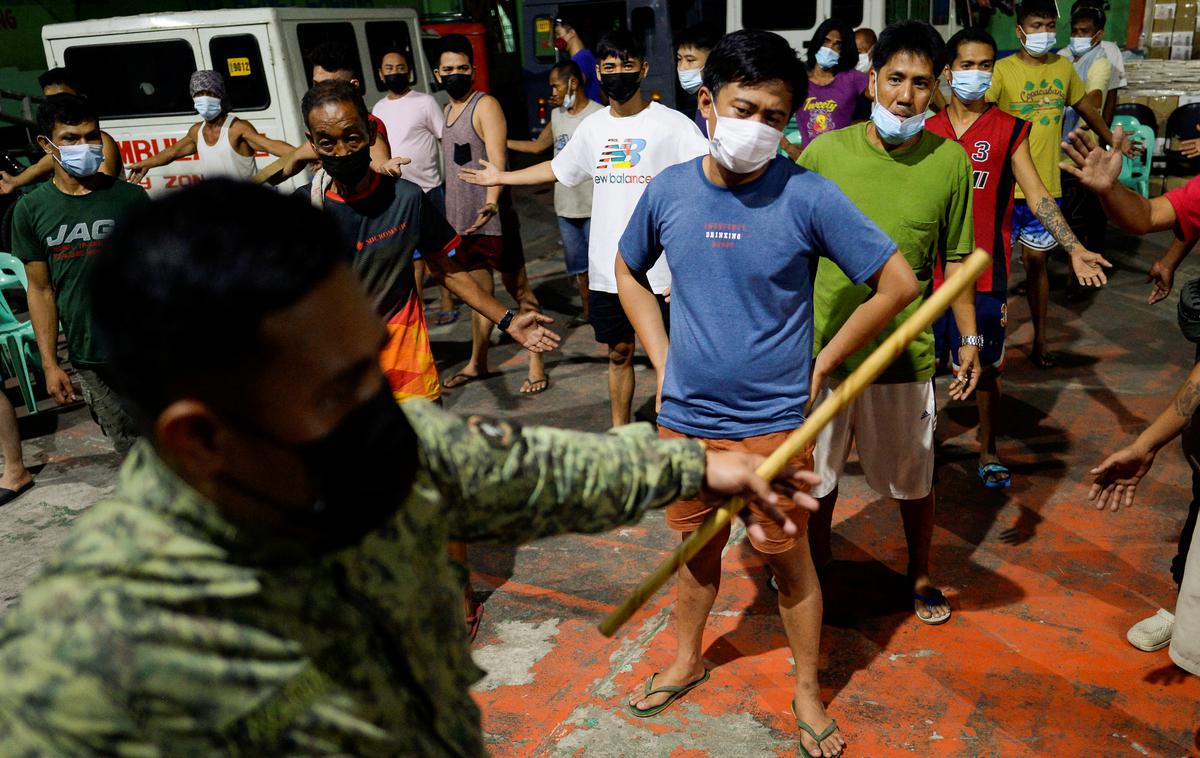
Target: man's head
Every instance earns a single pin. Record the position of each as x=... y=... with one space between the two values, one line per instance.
x=565 y=79
x=339 y=129
x=70 y=132
x=395 y=71
x=753 y=81
x=1087 y=26
x=972 y=54
x=837 y=37
x=865 y=39
x=334 y=60
x=907 y=60
x=207 y=90
x=58 y=81
x=621 y=65
x=566 y=33
x=456 y=66
x=1037 y=22
x=241 y=346
x=693 y=45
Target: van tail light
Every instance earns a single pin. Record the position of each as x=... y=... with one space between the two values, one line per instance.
x=542 y=114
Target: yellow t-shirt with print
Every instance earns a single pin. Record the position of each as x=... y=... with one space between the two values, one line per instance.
x=1038 y=94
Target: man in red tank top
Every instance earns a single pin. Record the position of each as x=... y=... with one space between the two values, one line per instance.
x=999 y=151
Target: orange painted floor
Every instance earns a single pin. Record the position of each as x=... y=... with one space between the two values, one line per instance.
x=1034 y=661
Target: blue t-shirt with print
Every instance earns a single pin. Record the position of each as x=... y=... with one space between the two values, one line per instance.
x=742 y=265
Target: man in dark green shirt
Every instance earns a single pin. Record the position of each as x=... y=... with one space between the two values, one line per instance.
x=270 y=576
x=58 y=231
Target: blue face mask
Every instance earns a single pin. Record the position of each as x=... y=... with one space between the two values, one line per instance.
x=969 y=86
x=208 y=107
x=891 y=128
x=1081 y=45
x=80 y=160
x=827 y=58
x=690 y=79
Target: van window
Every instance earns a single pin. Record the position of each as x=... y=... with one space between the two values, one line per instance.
x=384 y=37
x=135 y=78
x=799 y=14
x=311 y=35
x=237 y=59
x=848 y=11
x=543 y=39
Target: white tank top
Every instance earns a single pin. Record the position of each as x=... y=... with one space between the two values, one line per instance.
x=221 y=160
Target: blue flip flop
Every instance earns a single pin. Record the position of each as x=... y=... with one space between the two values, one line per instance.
x=995 y=475
x=931 y=598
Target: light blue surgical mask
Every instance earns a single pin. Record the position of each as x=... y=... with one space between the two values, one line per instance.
x=828 y=58
x=80 y=161
x=891 y=128
x=690 y=79
x=971 y=85
x=1038 y=43
x=1081 y=45
x=207 y=106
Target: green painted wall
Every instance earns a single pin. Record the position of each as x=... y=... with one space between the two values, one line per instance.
x=1004 y=28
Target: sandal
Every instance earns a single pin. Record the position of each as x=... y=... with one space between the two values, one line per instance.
x=445 y=318
x=932 y=598
x=676 y=690
x=1043 y=360
x=995 y=475
x=460 y=379
x=535 y=386
x=829 y=730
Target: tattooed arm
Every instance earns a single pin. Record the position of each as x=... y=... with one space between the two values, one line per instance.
x=1088 y=266
x=1117 y=478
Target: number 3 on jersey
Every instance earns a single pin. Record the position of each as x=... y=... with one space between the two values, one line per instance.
x=982 y=148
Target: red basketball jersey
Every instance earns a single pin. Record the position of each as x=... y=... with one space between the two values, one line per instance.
x=990 y=142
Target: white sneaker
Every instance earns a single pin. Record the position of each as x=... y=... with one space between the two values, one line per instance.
x=1153 y=633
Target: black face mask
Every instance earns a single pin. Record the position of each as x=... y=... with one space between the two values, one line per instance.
x=349 y=168
x=397 y=84
x=361 y=473
x=620 y=87
x=457 y=85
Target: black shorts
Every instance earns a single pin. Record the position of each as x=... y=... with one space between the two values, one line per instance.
x=609 y=321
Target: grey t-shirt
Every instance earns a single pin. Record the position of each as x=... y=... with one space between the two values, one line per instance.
x=571 y=202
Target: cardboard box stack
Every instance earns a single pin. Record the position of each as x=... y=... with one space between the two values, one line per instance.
x=1173 y=34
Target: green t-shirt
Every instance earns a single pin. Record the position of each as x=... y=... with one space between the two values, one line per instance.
x=65 y=232
x=921 y=198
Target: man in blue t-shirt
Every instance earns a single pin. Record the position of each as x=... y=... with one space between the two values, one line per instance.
x=743 y=230
x=567 y=39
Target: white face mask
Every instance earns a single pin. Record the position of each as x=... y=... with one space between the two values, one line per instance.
x=569 y=100
x=970 y=86
x=208 y=107
x=1081 y=45
x=891 y=128
x=689 y=79
x=864 y=62
x=743 y=146
x=1038 y=43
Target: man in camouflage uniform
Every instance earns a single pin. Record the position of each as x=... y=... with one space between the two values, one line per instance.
x=270 y=576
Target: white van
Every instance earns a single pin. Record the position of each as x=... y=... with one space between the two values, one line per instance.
x=797 y=20
x=136 y=70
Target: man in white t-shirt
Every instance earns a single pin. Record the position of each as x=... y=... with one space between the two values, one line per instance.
x=619 y=149
x=414 y=122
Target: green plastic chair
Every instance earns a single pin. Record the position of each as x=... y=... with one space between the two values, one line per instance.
x=1135 y=172
x=1129 y=123
x=18 y=345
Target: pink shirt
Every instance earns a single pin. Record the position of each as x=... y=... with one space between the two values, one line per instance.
x=414 y=126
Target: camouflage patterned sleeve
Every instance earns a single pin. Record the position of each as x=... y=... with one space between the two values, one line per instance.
x=510 y=484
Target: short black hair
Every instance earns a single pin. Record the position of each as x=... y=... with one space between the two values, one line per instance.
x=182 y=286
x=64 y=108
x=569 y=69
x=567 y=19
x=968 y=35
x=1037 y=8
x=750 y=57
x=1090 y=10
x=60 y=76
x=456 y=43
x=914 y=37
x=848 y=57
x=406 y=55
x=699 y=36
x=622 y=45
x=333 y=91
x=333 y=56
x=867 y=32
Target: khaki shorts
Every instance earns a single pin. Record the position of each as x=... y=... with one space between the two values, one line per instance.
x=687 y=515
x=892 y=427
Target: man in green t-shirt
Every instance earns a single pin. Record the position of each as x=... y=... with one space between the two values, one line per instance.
x=916 y=187
x=1037 y=85
x=58 y=229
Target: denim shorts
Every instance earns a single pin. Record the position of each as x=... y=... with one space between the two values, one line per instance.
x=574 y=233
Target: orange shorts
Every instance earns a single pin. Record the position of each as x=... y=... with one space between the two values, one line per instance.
x=687 y=515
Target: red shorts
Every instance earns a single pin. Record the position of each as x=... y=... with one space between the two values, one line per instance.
x=479 y=251
x=687 y=515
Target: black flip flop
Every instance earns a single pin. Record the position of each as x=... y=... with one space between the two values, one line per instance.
x=7 y=495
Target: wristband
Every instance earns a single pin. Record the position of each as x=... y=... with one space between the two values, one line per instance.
x=505 y=321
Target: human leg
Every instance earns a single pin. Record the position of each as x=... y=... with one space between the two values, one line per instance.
x=621 y=381
x=478 y=255
x=107 y=410
x=516 y=282
x=15 y=475
x=829 y=459
x=1038 y=294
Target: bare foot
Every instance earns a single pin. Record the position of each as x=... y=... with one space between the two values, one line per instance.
x=676 y=674
x=934 y=613
x=809 y=709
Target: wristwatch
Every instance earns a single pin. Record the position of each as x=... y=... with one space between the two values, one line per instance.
x=505 y=321
x=971 y=340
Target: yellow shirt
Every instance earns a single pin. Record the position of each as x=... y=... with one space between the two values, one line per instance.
x=1038 y=94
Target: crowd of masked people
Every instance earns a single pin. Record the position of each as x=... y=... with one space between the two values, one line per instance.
x=281 y=566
